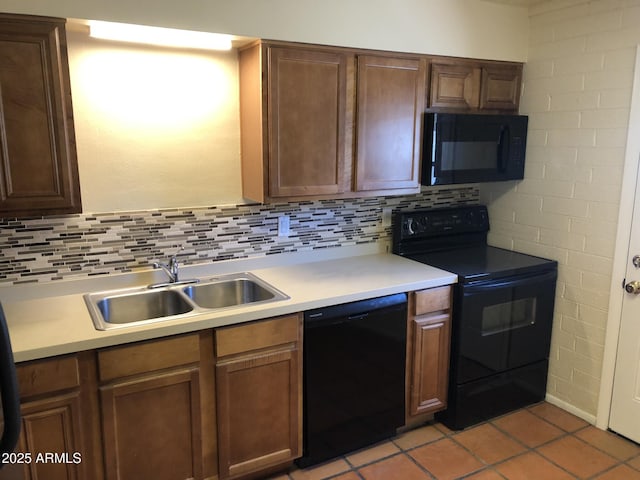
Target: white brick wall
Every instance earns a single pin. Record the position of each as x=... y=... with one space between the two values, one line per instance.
x=577 y=92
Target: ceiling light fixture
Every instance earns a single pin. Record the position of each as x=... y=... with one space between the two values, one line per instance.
x=168 y=37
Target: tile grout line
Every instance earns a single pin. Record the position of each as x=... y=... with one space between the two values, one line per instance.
x=565 y=434
x=450 y=434
x=574 y=433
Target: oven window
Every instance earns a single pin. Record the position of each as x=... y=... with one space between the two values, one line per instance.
x=508 y=316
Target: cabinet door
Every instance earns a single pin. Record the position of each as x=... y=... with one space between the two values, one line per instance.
x=38 y=165
x=307 y=122
x=390 y=106
x=152 y=428
x=455 y=86
x=52 y=426
x=59 y=420
x=430 y=363
x=501 y=87
x=52 y=442
x=259 y=411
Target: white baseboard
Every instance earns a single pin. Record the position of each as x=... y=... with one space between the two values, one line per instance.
x=588 y=417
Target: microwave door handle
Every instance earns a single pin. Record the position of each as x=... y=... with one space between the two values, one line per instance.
x=503 y=141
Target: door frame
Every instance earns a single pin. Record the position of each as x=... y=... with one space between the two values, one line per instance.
x=623 y=237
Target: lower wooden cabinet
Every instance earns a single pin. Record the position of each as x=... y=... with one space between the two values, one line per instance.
x=155 y=398
x=259 y=395
x=157 y=419
x=59 y=438
x=148 y=409
x=429 y=338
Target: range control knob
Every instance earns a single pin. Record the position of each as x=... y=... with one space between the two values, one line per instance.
x=410 y=226
x=633 y=287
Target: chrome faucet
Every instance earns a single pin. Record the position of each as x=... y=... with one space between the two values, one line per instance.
x=171 y=269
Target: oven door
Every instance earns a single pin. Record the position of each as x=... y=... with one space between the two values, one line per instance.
x=503 y=324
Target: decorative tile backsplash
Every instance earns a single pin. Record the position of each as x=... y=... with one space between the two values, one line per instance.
x=53 y=248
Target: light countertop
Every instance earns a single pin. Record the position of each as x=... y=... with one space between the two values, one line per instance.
x=47 y=320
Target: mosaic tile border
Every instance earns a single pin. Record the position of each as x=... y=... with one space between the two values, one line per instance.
x=54 y=248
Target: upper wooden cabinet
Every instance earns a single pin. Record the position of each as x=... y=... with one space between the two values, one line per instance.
x=460 y=84
x=389 y=121
x=322 y=122
x=307 y=122
x=38 y=164
x=454 y=86
x=501 y=87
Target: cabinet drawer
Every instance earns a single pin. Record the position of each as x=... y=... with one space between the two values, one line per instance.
x=257 y=335
x=432 y=300
x=148 y=356
x=47 y=376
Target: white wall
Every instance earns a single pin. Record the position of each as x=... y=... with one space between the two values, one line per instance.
x=577 y=91
x=473 y=28
x=155 y=128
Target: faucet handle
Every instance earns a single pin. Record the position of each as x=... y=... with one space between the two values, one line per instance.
x=173 y=261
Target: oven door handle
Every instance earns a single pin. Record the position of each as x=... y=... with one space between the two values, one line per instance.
x=510 y=282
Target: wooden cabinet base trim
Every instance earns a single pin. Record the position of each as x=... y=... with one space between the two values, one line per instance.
x=343 y=196
x=257 y=464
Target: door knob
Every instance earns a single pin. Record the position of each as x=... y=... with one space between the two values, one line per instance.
x=633 y=287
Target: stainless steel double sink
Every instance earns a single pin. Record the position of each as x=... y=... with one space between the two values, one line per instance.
x=144 y=305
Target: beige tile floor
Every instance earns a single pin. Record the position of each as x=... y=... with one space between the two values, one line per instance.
x=540 y=442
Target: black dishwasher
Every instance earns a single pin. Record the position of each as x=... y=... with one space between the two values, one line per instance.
x=354 y=376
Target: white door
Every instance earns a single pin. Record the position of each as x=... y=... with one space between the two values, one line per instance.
x=625 y=404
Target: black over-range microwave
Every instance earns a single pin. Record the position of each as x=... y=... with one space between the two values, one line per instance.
x=472 y=148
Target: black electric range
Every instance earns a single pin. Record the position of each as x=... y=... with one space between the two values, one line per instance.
x=502 y=311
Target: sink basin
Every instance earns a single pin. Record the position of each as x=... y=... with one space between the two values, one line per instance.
x=142 y=305
x=227 y=293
